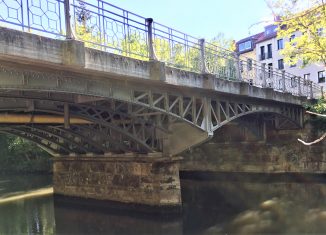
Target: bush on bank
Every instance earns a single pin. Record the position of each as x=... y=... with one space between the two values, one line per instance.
x=19 y=155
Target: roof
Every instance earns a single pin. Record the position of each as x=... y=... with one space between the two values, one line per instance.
x=252 y=38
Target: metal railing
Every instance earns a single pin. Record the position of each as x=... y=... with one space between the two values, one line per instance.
x=35 y=16
x=106 y=27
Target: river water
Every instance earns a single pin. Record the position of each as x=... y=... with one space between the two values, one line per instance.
x=209 y=207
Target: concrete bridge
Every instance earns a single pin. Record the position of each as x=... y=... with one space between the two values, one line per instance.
x=115 y=117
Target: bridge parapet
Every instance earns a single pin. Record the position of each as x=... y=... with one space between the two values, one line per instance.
x=105 y=27
x=72 y=56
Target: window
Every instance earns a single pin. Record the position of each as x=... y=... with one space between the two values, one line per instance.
x=280 y=64
x=269 y=51
x=280 y=44
x=320 y=32
x=249 y=64
x=321 y=76
x=241 y=66
x=245 y=46
x=262 y=53
x=292 y=37
x=270 y=70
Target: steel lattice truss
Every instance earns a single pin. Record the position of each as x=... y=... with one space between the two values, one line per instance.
x=209 y=114
x=109 y=130
x=117 y=126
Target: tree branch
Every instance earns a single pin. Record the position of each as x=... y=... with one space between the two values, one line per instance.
x=317 y=114
x=313 y=142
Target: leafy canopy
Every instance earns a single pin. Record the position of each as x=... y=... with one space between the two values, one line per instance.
x=310 y=45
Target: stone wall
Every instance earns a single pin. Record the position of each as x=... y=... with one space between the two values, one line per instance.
x=148 y=180
x=234 y=149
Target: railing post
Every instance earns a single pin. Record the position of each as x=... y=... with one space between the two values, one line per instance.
x=202 y=55
x=299 y=86
x=322 y=92
x=311 y=92
x=283 y=81
x=69 y=34
x=263 y=67
x=149 y=23
x=237 y=66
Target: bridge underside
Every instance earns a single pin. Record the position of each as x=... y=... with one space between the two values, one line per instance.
x=71 y=124
x=118 y=151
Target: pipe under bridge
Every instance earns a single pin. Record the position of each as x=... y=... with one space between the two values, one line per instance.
x=116 y=124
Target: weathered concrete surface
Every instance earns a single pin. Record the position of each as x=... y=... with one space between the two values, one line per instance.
x=42 y=52
x=235 y=149
x=128 y=178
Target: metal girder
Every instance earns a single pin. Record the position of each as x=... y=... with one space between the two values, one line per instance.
x=105 y=137
x=37 y=133
x=133 y=130
x=223 y=112
x=50 y=147
x=75 y=144
x=86 y=140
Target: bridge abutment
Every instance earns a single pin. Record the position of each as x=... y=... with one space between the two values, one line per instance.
x=150 y=180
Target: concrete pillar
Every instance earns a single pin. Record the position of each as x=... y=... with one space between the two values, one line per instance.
x=299 y=86
x=310 y=90
x=283 y=81
x=151 y=50
x=263 y=69
x=202 y=55
x=150 y=180
x=69 y=34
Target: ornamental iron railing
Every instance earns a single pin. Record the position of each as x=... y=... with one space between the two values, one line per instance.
x=106 y=27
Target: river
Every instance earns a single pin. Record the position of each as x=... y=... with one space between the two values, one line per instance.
x=220 y=206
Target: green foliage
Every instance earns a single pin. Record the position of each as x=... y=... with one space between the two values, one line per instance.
x=318 y=107
x=219 y=57
x=19 y=155
x=310 y=45
x=85 y=34
x=134 y=44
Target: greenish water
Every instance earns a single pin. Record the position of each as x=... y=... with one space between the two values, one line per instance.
x=211 y=207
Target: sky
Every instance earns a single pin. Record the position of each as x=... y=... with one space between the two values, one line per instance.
x=204 y=18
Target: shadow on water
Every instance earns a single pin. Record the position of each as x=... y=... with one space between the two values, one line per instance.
x=219 y=206
x=77 y=219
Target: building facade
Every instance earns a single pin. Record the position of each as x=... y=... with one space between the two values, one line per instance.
x=266 y=48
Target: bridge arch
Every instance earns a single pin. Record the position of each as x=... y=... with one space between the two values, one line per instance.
x=184 y=105
x=134 y=134
x=277 y=117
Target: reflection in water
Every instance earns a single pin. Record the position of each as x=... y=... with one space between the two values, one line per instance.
x=71 y=220
x=215 y=207
x=30 y=216
x=11 y=197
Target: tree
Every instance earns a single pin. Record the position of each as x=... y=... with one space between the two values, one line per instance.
x=310 y=46
x=220 y=57
x=319 y=111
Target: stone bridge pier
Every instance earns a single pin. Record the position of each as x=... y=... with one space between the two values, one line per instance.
x=150 y=179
